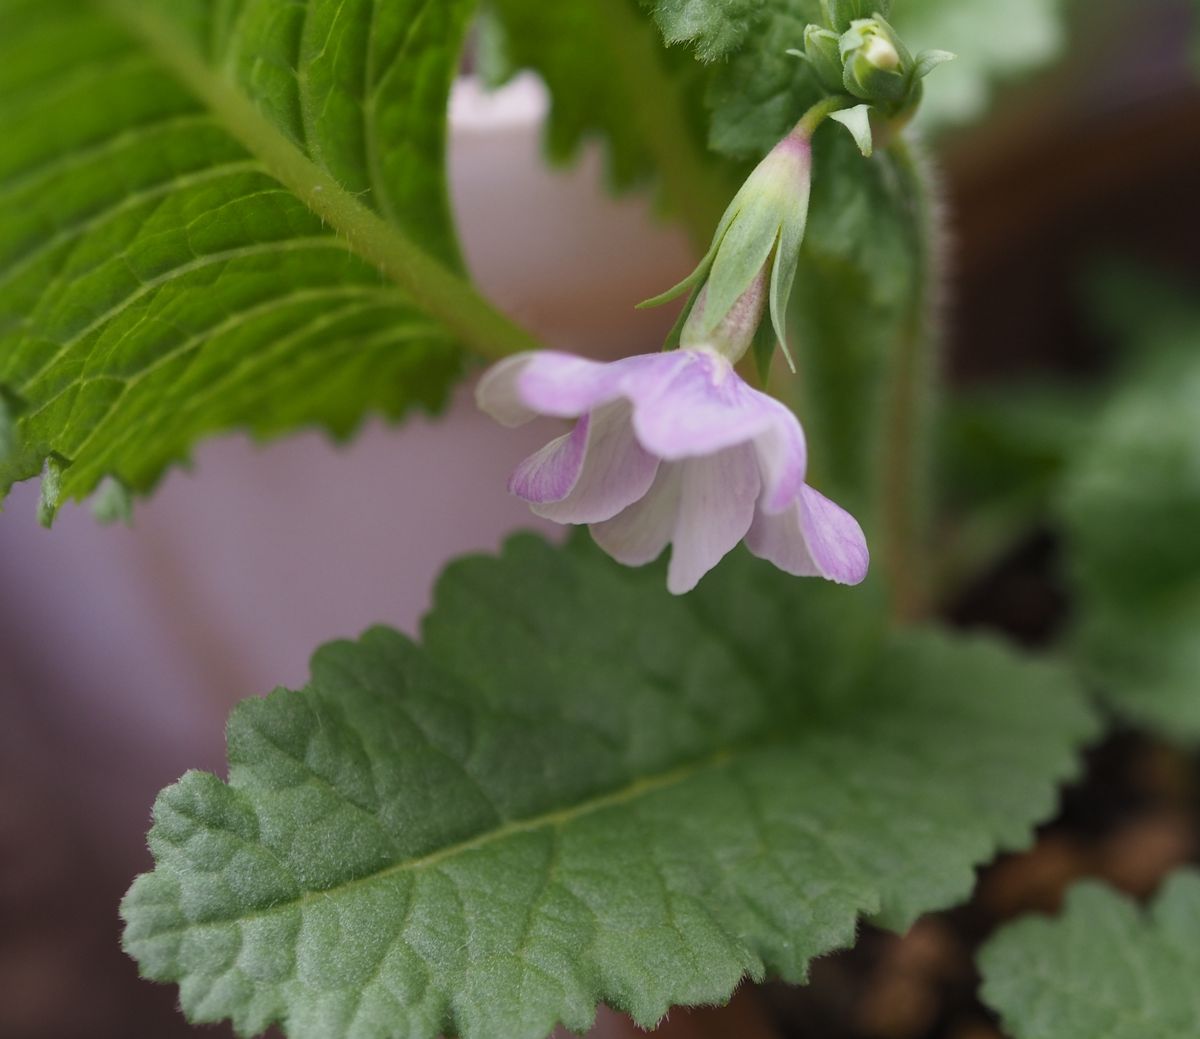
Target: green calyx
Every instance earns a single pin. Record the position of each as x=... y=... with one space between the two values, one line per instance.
x=822 y=50
x=876 y=66
x=857 y=55
x=756 y=246
x=873 y=86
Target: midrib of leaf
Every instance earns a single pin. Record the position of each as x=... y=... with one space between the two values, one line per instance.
x=436 y=290
x=555 y=819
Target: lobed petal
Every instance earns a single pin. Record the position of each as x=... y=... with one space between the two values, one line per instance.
x=717 y=504
x=813 y=538
x=697 y=405
x=700 y=405
x=590 y=474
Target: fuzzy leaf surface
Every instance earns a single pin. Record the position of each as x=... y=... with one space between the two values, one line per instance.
x=194 y=201
x=579 y=788
x=1103 y=970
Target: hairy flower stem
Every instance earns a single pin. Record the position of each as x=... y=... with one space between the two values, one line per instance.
x=904 y=451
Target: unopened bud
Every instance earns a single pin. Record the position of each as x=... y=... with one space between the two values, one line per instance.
x=877 y=66
x=752 y=261
x=822 y=49
x=734 y=333
x=880 y=53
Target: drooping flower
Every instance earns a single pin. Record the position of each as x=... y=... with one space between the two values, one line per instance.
x=672 y=448
x=758 y=238
x=675 y=448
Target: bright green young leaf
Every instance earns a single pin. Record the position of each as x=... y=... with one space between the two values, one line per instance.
x=218 y=215
x=1131 y=505
x=580 y=788
x=1103 y=970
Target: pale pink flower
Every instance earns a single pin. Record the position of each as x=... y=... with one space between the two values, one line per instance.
x=672 y=448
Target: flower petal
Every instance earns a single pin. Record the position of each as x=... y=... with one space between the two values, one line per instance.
x=814 y=538
x=547 y=382
x=686 y=404
x=590 y=474
x=782 y=459
x=716 y=509
x=549 y=474
x=496 y=393
x=694 y=407
x=638 y=535
x=700 y=406
x=567 y=386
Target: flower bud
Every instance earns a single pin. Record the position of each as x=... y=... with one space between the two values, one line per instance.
x=840 y=13
x=753 y=256
x=822 y=49
x=877 y=66
x=734 y=333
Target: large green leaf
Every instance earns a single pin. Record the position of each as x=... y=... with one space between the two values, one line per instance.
x=1104 y=970
x=580 y=788
x=1131 y=505
x=218 y=215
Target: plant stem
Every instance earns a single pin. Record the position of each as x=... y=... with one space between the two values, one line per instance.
x=904 y=480
x=821 y=111
x=435 y=289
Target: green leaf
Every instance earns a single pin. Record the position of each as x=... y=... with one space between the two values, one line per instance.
x=223 y=215
x=758 y=91
x=1131 y=505
x=713 y=27
x=610 y=76
x=1002 y=454
x=581 y=788
x=1013 y=442
x=1103 y=970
